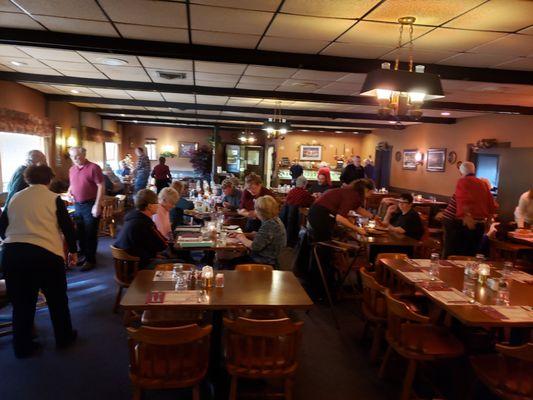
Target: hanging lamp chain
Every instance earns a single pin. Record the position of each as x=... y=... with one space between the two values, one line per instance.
x=397 y=62
x=411 y=48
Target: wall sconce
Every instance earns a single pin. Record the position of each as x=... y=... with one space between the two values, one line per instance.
x=419 y=158
x=72 y=140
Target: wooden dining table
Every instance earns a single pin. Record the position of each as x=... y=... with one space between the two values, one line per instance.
x=385 y=241
x=482 y=308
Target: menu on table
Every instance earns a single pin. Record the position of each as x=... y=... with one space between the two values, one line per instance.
x=176 y=297
x=522 y=277
x=416 y=276
x=509 y=313
x=163 y=276
x=441 y=292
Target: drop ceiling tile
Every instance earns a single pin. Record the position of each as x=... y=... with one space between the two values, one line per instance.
x=500 y=15
x=42 y=88
x=527 y=31
x=216 y=19
x=112 y=93
x=454 y=39
x=329 y=8
x=153 y=33
x=210 y=112
x=259 y=80
x=124 y=73
x=522 y=63
x=219 y=68
x=22 y=21
x=203 y=99
x=225 y=39
x=355 y=50
x=255 y=86
x=200 y=82
x=515 y=45
x=178 y=97
x=318 y=75
x=5 y=68
x=420 y=56
x=70 y=66
x=79 y=26
x=378 y=33
x=141 y=95
x=340 y=88
x=166 y=63
x=39 y=71
x=52 y=54
x=259 y=5
x=292 y=45
x=476 y=60
x=99 y=58
x=205 y=76
x=160 y=13
x=25 y=62
x=427 y=12
x=83 y=74
x=7 y=6
x=64 y=8
x=81 y=91
x=352 y=78
x=154 y=74
x=303 y=86
x=11 y=51
x=269 y=72
x=243 y=101
x=310 y=28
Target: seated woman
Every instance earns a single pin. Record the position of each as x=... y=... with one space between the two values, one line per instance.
x=269 y=240
x=176 y=214
x=232 y=195
x=403 y=218
x=298 y=196
x=168 y=198
x=320 y=186
x=139 y=235
x=254 y=189
x=113 y=184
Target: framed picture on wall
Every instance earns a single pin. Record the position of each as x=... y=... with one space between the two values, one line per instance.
x=185 y=149
x=436 y=161
x=310 y=153
x=409 y=159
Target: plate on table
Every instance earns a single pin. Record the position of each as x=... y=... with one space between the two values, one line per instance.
x=375 y=232
x=232 y=227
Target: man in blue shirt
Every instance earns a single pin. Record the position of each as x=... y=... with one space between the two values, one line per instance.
x=232 y=195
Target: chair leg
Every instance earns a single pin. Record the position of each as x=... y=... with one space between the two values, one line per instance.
x=385 y=362
x=376 y=343
x=117 y=300
x=289 y=385
x=326 y=288
x=196 y=392
x=233 y=388
x=408 y=381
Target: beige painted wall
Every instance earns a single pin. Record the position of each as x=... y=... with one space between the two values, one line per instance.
x=21 y=98
x=517 y=129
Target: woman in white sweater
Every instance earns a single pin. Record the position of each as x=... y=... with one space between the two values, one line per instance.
x=33 y=259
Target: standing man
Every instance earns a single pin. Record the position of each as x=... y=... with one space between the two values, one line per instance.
x=352 y=172
x=141 y=171
x=17 y=183
x=87 y=187
x=475 y=208
x=296 y=170
x=161 y=174
x=369 y=168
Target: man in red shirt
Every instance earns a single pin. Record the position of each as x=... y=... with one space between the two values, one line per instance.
x=87 y=187
x=475 y=208
x=299 y=196
x=253 y=185
x=161 y=174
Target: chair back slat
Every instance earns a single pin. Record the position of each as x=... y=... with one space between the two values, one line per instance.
x=126 y=266
x=373 y=295
x=384 y=275
x=516 y=366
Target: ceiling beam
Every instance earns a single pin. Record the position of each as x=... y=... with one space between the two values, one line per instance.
x=116 y=115
x=248 y=93
x=111 y=45
x=239 y=109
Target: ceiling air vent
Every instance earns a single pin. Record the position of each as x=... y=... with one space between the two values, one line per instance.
x=172 y=75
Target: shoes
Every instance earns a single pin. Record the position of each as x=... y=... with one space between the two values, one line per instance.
x=63 y=344
x=87 y=266
x=33 y=349
x=81 y=260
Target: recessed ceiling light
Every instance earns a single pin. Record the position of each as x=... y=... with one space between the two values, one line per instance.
x=135 y=121
x=307 y=85
x=445 y=113
x=338 y=131
x=18 y=63
x=75 y=91
x=392 y=122
x=112 y=61
x=122 y=115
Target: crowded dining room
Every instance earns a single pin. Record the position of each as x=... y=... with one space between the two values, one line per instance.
x=300 y=199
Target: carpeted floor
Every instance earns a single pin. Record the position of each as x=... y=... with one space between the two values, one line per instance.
x=334 y=364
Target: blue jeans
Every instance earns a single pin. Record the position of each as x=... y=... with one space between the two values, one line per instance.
x=141 y=180
x=87 y=229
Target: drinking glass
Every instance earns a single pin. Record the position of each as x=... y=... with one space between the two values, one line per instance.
x=434 y=266
x=181 y=281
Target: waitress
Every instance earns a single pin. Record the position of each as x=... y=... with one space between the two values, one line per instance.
x=335 y=204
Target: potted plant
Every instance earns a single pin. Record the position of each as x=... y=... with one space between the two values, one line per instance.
x=202 y=161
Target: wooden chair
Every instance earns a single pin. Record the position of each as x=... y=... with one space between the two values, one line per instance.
x=168 y=358
x=461 y=258
x=254 y=267
x=107 y=218
x=384 y=276
x=413 y=337
x=262 y=349
x=5 y=326
x=126 y=268
x=508 y=374
x=374 y=310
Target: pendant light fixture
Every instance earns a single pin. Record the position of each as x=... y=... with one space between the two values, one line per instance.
x=400 y=92
x=247 y=137
x=276 y=127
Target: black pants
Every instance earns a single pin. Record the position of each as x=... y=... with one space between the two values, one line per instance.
x=161 y=183
x=28 y=268
x=86 y=229
x=463 y=241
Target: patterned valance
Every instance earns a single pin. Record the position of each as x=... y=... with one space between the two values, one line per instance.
x=99 y=135
x=20 y=122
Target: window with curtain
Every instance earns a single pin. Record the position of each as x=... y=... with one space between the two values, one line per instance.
x=111 y=155
x=13 y=150
x=95 y=152
x=151 y=149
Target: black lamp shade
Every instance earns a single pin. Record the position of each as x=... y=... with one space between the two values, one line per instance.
x=402 y=81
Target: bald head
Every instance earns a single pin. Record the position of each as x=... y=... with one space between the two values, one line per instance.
x=467 y=168
x=35 y=157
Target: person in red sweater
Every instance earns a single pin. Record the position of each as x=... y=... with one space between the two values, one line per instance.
x=299 y=196
x=253 y=185
x=161 y=174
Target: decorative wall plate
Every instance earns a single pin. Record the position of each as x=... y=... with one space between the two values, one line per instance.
x=458 y=164
x=452 y=157
x=398 y=156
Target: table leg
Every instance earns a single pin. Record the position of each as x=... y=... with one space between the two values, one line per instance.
x=217 y=374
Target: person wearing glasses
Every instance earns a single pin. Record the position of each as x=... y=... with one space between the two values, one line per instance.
x=403 y=218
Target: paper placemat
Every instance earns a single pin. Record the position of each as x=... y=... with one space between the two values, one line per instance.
x=416 y=276
x=522 y=277
x=509 y=313
x=420 y=262
x=176 y=297
x=450 y=296
x=163 y=276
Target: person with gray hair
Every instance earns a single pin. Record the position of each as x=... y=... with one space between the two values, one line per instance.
x=474 y=211
x=299 y=196
x=17 y=182
x=232 y=195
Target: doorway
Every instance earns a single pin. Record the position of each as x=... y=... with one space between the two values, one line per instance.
x=253 y=159
x=269 y=170
x=382 y=167
x=488 y=166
